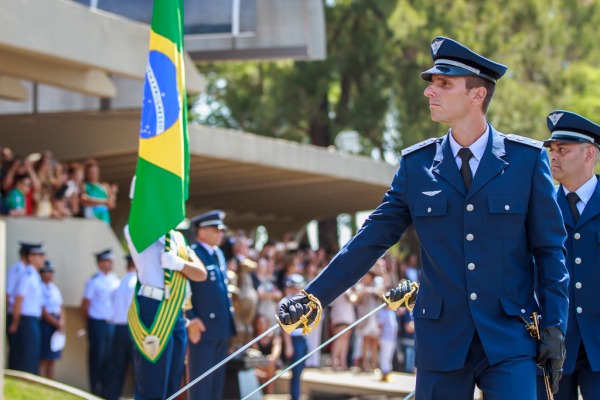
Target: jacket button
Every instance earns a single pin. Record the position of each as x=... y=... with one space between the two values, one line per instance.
x=578 y=285
x=212 y=315
x=429 y=209
x=507 y=207
x=423 y=311
x=473 y=296
x=470 y=237
x=579 y=310
x=523 y=311
x=578 y=260
x=470 y=207
x=471 y=266
x=577 y=236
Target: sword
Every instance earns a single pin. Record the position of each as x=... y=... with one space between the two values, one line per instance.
x=386 y=302
x=534 y=330
x=410 y=395
x=314 y=305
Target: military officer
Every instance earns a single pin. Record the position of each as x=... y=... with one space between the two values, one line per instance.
x=574 y=148
x=27 y=312
x=97 y=309
x=160 y=340
x=12 y=277
x=122 y=348
x=483 y=206
x=211 y=315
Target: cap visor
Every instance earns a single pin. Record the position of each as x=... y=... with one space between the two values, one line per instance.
x=447 y=70
x=565 y=138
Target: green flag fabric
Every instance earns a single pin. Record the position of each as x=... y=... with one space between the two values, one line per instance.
x=160 y=186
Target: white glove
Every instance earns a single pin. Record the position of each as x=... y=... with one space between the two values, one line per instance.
x=171 y=261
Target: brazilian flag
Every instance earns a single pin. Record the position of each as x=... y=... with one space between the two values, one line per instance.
x=160 y=186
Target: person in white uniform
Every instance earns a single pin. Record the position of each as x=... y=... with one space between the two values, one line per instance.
x=12 y=276
x=97 y=308
x=27 y=311
x=53 y=319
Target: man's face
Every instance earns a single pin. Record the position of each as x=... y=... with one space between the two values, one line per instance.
x=567 y=160
x=211 y=235
x=37 y=260
x=105 y=266
x=449 y=99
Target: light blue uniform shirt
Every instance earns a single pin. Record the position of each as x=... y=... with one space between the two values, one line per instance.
x=12 y=277
x=122 y=297
x=99 y=290
x=52 y=298
x=29 y=286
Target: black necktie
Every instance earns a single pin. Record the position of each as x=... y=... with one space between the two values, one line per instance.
x=465 y=155
x=572 y=198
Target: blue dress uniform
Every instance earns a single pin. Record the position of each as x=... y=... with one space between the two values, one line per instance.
x=98 y=291
x=27 y=341
x=478 y=247
x=212 y=304
x=582 y=365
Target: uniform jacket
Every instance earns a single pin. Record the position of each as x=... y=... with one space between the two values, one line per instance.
x=477 y=248
x=583 y=263
x=210 y=299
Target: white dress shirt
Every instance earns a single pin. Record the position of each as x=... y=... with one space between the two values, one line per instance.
x=477 y=148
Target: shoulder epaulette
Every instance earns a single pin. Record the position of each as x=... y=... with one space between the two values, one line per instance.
x=525 y=140
x=419 y=146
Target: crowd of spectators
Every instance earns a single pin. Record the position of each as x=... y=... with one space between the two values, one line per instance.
x=360 y=347
x=39 y=185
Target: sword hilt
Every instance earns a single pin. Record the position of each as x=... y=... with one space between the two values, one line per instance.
x=315 y=307
x=533 y=327
x=394 y=305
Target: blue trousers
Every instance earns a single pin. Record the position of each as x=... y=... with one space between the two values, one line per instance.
x=583 y=378
x=300 y=350
x=161 y=379
x=122 y=357
x=100 y=334
x=203 y=356
x=511 y=379
x=12 y=345
x=27 y=345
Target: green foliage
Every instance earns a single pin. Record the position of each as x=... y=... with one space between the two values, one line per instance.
x=375 y=52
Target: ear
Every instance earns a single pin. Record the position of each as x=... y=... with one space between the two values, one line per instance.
x=478 y=94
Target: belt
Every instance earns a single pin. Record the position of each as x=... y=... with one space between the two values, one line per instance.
x=151 y=292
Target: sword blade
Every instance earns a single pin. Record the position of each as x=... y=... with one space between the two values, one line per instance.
x=410 y=395
x=325 y=343
x=224 y=361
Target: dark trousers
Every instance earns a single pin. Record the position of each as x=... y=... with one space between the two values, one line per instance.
x=100 y=334
x=300 y=350
x=512 y=379
x=27 y=345
x=203 y=356
x=122 y=357
x=583 y=378
x=161 y=379
x=12 y=344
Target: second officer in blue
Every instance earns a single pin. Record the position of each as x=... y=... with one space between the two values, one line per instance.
x=211 y=323
x=574 y=149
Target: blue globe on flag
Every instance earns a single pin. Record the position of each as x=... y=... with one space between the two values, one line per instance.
x=161 y=106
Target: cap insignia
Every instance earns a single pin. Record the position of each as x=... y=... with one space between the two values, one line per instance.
x=554 y=117
x=435 y=45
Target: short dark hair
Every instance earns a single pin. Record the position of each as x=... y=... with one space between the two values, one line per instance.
x=475 y=82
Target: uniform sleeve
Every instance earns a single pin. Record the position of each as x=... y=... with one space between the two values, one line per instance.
x=22 y=285
x=382 y=229
x=547 y=235
x=88 y=293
